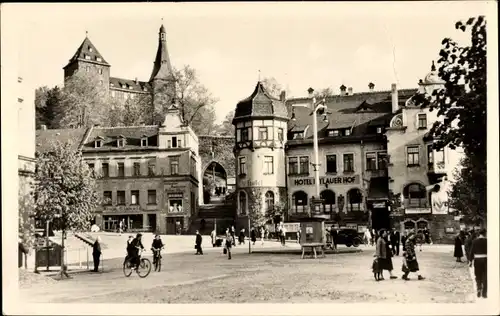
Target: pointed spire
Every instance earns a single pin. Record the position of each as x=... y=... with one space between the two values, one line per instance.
x=433 y=67
x=86 y=33
x=259 y=75
x=162 y=68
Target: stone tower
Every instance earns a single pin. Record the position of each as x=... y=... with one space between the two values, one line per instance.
x=87 y=58
x=261 y=128
x=162 y=78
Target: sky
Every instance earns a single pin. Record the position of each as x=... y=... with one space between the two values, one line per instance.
x=300 y=44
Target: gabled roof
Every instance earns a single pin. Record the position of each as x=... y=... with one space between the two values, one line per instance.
x=46 y=138
x=260 y=104
x=110 y=135
x=128 y=84
x=344 y=112
x=88 y=49
x=162 y=68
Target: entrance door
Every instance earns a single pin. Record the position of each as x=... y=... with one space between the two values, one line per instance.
x=380 y=218
x=174 y=225
x=152 y=222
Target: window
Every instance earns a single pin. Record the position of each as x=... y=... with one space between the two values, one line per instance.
x=134 y=197
x=105 y=170
x=269 y=200
x=137 y=169
x=244 y=134
x=412 y=154
x=120 y=197
x=98 y=58
x=297 y=135
x=121 y=169
x=100 y=71
x=333 y=133
x=347 y=132
x=299 y=202
x=293 y=165
x=263 y=133
x=175 y=202
x=98 y=143
x=169 y=143
x=328 y=198
x=151 y=168
x=242 y=197
x=121 y=142
x=144 y=142
x=430 y=155
x=280 y=134
x=371 y=161
x=268 y=165
x=415 y=195
x=382 y=160
x=379 y=130
x=304 y=165
x=243 y=165
x=422 y=121
x=348 y=162
x=354 y=200
x=331 y=163
x=174 y=142
x=90 y=49
x=151 y=196
x=87 y=57
x=179 y=143
x=91 y=167
x=174 y=165
x=108 y=200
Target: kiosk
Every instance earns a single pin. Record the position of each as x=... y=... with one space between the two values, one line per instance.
x=312 y=235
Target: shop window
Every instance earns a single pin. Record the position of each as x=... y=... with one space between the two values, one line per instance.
x=415 y=196
x=120 y=197
x=328 y=197
x=354 y=200
x=242 y=199
x=107 y=198
x=137 y=169
x=371 y=161
x=134 y=197
x=299 y=202
x=175 y=202
x=269 y=200
x=331 y=163
x=151 y=196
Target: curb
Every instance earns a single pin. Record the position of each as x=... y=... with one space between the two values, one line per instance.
x=299 y=251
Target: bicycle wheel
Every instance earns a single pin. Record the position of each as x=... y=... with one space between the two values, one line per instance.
x=144 y=268
x=155 y=262
x=127 y=268
x=158 y=263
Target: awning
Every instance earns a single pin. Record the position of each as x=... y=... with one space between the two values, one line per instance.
x=379 y=189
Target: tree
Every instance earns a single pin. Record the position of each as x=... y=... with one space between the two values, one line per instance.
x=272 y=86
x=84 y=101
x=48 y=103
x=65 y=188
x=226 y=128
x=461 y=105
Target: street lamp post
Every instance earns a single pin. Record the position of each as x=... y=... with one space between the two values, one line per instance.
x=316 y=107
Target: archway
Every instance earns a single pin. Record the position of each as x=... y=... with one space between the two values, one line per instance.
x=328 y=197
x=299 y=202
x=354 y=200
x=214 y=183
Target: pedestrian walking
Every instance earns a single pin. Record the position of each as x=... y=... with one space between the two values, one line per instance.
x=383 y=254
x=458 y=251
x=410 y=263
x=395 y=241
x=229 y=243
x=253 y=236
x=283 y=236
x=96 y=253
x=267 y=234
x=368 y=237
x=213 y=236
x=121 y=227
x=468 y=245
x=241 y=237
x=427 y=236
x=334 y=234
x=197 y=245
x=298 y=235
x=262 y=235
x=478 y=254
x=233 y=233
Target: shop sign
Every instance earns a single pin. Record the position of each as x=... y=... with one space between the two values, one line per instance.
x=326 y=180
x=351 y=226
x=417 y=211
x=449 y=230
x=119 y=208
x=379 y=205
x=175 y=195
x=292 y=227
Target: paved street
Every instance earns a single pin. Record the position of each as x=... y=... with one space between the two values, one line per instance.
x=257 y=278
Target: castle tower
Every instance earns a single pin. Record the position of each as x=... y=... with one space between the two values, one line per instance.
x=87 y=58
x=162 y=78
x=261 y=124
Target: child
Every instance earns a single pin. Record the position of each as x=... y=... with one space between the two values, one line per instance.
x=377 y=273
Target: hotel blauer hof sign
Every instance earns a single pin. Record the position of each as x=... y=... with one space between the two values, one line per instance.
x=333 y=180
x=122 y=208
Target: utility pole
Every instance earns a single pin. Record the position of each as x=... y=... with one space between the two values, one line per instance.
x=249 y=241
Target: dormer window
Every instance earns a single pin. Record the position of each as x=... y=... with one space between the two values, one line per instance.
x=347 y=132
x=121 y=141
x=90 y=49
x=98 y=143
x=298 y=135
x=98 y=58
x=112 y=84
x=144 y=89
x=333 y=132
x=144 y=141
x=122 y=85
x=130 y=87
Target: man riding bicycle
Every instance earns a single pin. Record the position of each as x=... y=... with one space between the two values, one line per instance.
x=156 y=246
x=135 y=245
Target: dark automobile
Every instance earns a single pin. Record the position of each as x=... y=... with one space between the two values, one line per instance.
x=349 y=237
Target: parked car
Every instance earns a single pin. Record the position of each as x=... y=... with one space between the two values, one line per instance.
x=349 y=237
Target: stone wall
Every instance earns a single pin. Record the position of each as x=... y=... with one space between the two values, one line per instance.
x=222 y=148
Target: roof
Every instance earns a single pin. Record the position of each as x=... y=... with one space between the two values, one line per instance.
x=132 y=134
x=128 y=84
x=433 y=76
x=260 y=104
x=362 y=112
x=46 y=138
x=88 y=52
x=162 y=68
x=379 y=188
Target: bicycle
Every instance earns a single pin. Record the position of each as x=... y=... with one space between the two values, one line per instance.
x=143 y=269
x=157 y=259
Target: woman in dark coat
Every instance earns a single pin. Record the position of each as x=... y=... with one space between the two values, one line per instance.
x=384 y=254
x=199 y=239
x=458 y=251
x=410 y=263
x=253 y=236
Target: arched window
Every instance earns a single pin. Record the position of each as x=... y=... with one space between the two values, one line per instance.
x=299 y=202
x=269 y=200
x=242 y=202
x=415 y=195
x=328 y=198
x=354 y=200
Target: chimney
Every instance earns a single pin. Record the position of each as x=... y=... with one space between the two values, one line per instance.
x=136 y=81
x=342 y=89
x=283 y=96
x=371 y=86
x=43 y=127
x=349 y=91
x=310 y=91
x=394 y=93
